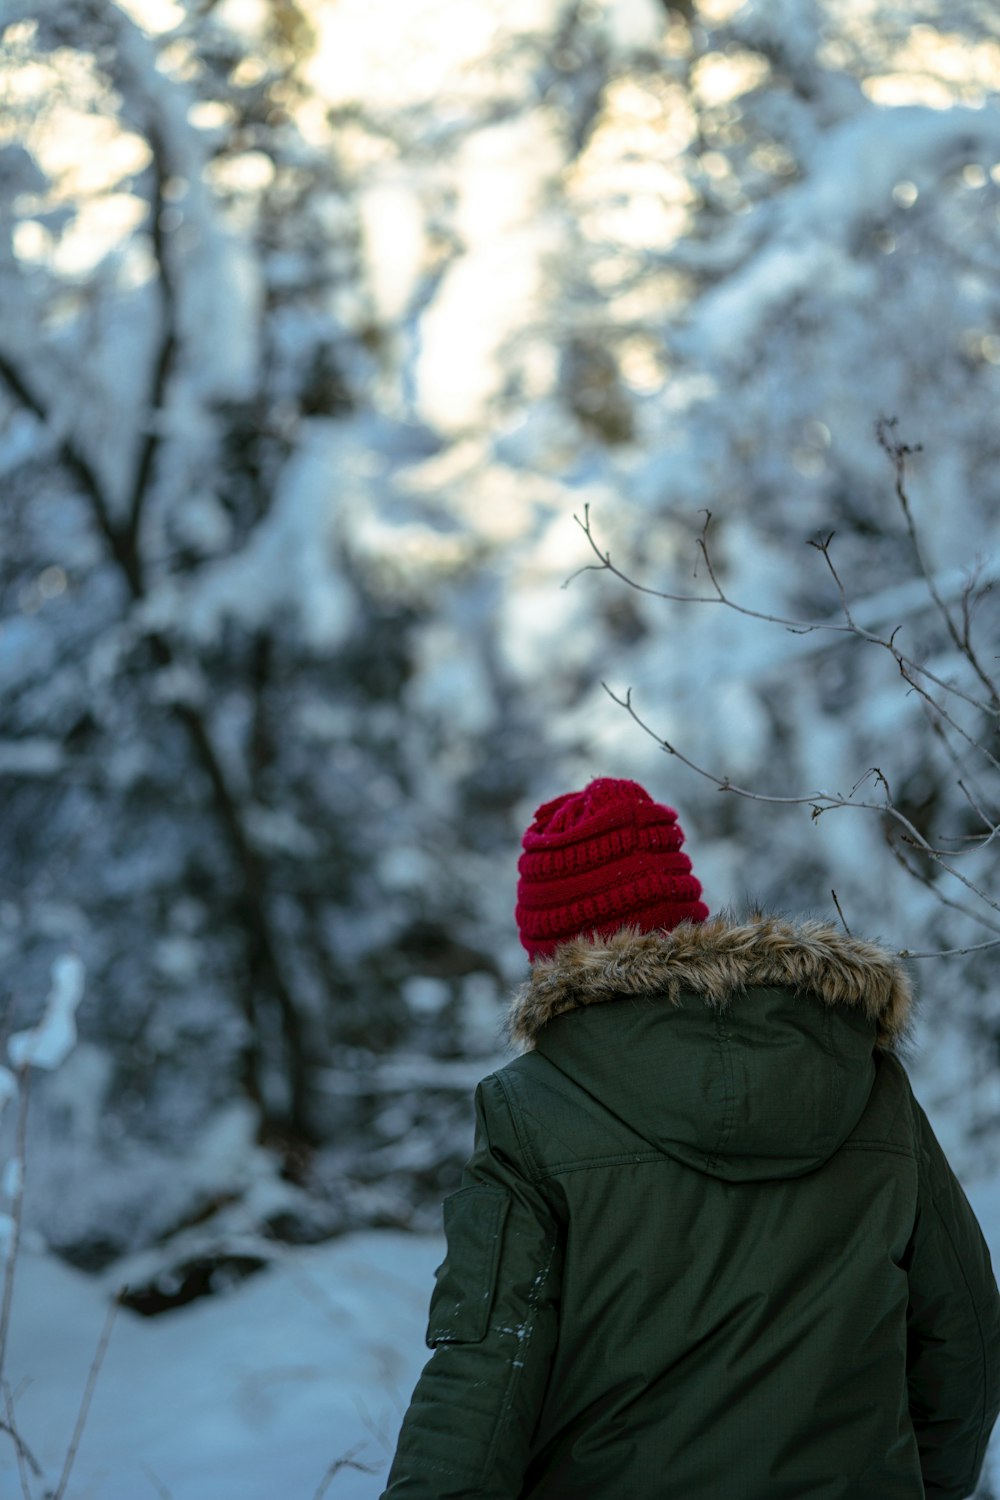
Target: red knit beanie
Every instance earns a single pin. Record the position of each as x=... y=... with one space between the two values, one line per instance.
x=601 y=859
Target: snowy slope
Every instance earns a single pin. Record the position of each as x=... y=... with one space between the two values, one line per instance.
x=244 y=1396
x=252 y=1394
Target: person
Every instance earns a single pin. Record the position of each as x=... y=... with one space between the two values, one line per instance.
x=707 y=1244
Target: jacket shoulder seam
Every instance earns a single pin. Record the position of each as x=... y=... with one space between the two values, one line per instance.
x=517 y=1123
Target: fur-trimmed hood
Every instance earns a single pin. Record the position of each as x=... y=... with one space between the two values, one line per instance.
x=746 y=1050
x=719 y=960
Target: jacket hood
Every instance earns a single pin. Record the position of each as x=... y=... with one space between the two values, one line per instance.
x=743 y=1049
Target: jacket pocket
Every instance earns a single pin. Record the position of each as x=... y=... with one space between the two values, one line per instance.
x=466 y=1279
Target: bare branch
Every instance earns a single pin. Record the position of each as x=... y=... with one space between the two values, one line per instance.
x=88 y=1393
x=347 y=1462
x=943 y=713
x=605 y=565
x=898 y=453
x=823 y=546
x=76 y=461
x=924 y=879
x=164 y=362
x=820 y=802
x=994 y=828
x=16 y=1216
x=24 y=1453
x=849 y=627
x=948 y=952
x=706 y=554
x=156 y=1482
x=840 y=913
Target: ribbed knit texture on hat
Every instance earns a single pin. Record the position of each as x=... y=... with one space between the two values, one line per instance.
x=601 y=859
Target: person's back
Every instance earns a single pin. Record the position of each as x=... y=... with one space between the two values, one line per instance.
x=707 y=1244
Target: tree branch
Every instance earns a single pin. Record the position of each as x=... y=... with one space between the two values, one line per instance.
x=262 y=943
x=820 y=802
x=163 y=364
x=924 y=879
x=24 y=1453
x=898 y=452
x=849 y=627
x=348 y=1461
x=88 y=1394
x=17 y=1214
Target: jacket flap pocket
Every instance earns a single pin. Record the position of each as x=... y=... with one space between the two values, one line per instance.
x=466 y=1279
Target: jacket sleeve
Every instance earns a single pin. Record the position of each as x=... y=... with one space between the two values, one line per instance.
x=953 y=1329
x=492 y=1326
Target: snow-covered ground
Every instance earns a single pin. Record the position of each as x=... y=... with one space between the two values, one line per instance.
x=249 y=1395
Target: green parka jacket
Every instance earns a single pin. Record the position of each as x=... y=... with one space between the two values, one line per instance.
x=707 y=1245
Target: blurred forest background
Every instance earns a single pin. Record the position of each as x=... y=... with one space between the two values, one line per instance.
x=320 y=321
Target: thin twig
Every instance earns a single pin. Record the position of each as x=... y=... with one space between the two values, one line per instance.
x=978 y=841
x=948 y=952
x=794 y=626
x=823 y=546
x=922 y=878
x=156 y=1482
x=347 y=1462
x=368 y=1421
x=24 y=1453
x=17 y=1215
x=840 y=913
x=79 y=465
x=994 y=828
x=88 y=1393
x=943 y=713
x=820 y=802
x=897 y=453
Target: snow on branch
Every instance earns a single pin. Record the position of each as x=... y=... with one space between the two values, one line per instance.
x=854 y=168
x=48 y=1044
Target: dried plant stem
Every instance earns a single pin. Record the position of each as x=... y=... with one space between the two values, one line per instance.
x=88 y=1393
x=898 y=453
x=840 y=912
x=24 y=1453
x=16 y=1217
x=924 y=879
x=848 y=627
x=937 y=697
x=348 y=1461
x=821 y=802
x=156 y=1482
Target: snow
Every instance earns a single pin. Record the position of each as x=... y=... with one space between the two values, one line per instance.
x=49 y=1043
x=289 y=563
x=853 y=173
x=8 y=1088
x=425 y=996
x=448 y=685
x=441 y=200
x=26 y=651
x=31 y=757
x=252 y=1392
x=633 y=24
x=494 y=288
x=392 y=218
